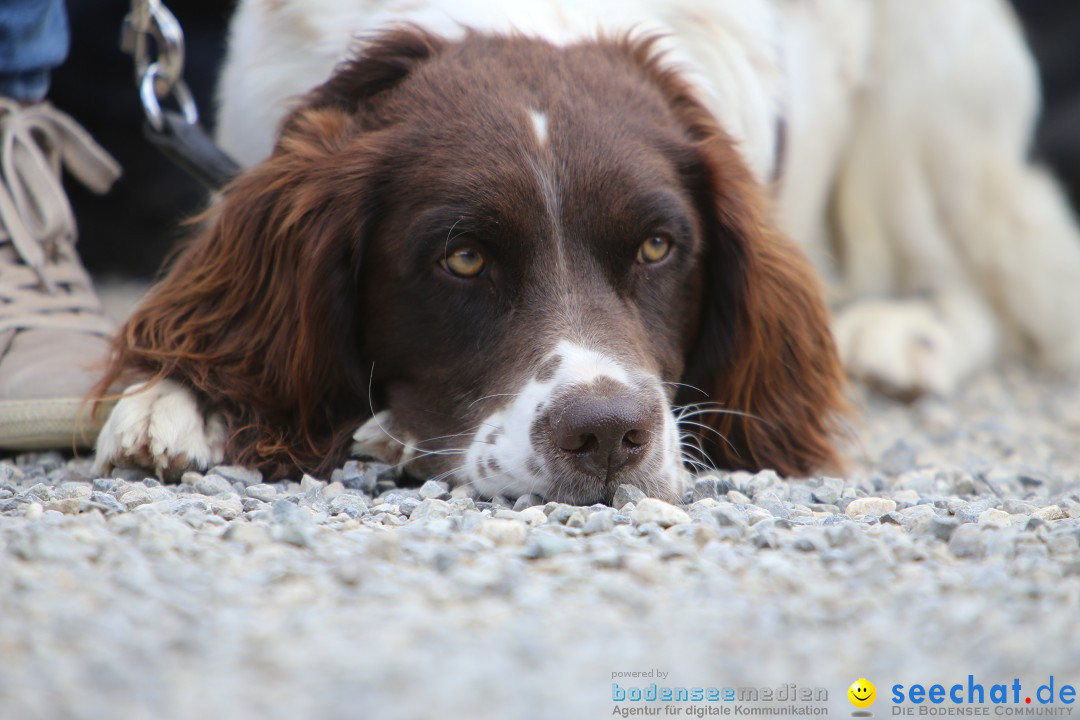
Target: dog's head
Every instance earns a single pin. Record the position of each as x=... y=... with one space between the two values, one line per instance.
x=519 y=259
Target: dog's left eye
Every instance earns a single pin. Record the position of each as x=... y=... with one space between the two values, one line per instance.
x=654 y=249
x=465 y=262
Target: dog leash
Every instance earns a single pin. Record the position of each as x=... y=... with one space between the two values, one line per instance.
x=159 y=72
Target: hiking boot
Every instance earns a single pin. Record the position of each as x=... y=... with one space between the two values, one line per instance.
x=53 y=333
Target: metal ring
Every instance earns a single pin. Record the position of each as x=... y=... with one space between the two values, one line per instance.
x=152 y=106
x=150 y=19
x=170 y=43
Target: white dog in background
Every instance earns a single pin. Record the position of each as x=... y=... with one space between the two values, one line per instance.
x=894 y=133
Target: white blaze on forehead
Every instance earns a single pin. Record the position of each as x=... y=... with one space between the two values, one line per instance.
x=540 y=126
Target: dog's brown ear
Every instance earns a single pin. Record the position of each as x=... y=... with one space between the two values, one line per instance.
x=764 y=351
x=769 y=358
x=237 y=315
x=259 y=311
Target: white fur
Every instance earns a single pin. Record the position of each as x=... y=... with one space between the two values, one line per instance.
x=907 y=125
x=159 y=424
x=505 y=436
x=379 y=439
x=539 y=122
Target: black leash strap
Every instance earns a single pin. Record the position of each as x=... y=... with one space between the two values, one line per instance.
x=155 y=41
x=189 y=146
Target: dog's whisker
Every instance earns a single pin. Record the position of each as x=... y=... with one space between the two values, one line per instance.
x=685 y=385
x=429 y=453
x=703 y=426
x=448 y=473
x=702 y=464
x=447 y=437
x=714 y=430
x=722 y=411
x=493 y=395
x=694 y=406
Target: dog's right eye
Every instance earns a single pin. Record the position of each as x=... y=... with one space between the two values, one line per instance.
x=653 y=250
x=465 y=262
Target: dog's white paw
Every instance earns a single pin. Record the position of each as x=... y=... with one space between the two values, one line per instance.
x=903 y=348
x=160 y=427
x=377 y=439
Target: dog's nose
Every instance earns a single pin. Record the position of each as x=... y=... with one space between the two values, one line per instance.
x=603 y=435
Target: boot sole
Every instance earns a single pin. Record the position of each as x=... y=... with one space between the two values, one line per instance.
x=51 y=424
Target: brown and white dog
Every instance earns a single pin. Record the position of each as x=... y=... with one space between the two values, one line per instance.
x=544 y=247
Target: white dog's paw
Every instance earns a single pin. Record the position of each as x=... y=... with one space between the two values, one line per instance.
x=160 y=427
x=378 y=439
x=903 y=348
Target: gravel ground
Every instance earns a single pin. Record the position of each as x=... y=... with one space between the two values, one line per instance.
x=950 y=548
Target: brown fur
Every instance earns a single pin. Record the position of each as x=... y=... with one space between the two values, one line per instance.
x=260 y=314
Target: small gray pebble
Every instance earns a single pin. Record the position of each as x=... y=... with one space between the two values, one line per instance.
x=393 y=498
x=544 y=545
x=828 y=492
x=358 y=476
x=107 y=484
x=263 y=492
x=407 y=505
x=292 y=524
x=730 y=517
x=712 y=486
x=737 y=497
x=965 y=484
x=598 y=522
x=776 y=508
x=765 y=480
x=434 y=489
x=558 y=512
x=286 y=511
x=527 y=501
x=471 y=520
x=308 y=483
x=430 y=509
x=966 y=541
x=235 y=473
x=135 y=497
x=106 y=503
x=461 y=505
x=214 y=485
x=627 y=494
x=41 y=492
x=251 y=504
x=942 y=528
x=352 y=505
x=765 y=539
x=969 y=512
x=891 y=518
x=800 y=494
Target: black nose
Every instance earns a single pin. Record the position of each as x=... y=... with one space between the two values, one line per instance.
x=603 y=435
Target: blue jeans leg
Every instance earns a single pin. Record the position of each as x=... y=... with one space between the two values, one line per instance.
x=33 y=40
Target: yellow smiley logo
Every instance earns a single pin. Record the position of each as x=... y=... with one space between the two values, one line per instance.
x=862 y=693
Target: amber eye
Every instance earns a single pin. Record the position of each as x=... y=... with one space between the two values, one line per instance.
x=466 y=262
x=653 y=250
